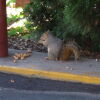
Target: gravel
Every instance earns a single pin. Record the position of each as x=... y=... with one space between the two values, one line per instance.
x=16 y=42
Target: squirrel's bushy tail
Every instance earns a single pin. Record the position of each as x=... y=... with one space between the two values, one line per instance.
x=68 y=49
x=74 y=47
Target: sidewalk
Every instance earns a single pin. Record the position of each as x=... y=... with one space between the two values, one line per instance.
x=85 y=70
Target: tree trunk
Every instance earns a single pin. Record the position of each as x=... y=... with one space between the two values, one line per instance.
x=3 y=30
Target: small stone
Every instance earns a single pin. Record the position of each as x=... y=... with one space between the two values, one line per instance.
x=97 y=60
x=67 y=67
x=12 y=81
x=14 y=61
x=29 y=50
x=71 y=68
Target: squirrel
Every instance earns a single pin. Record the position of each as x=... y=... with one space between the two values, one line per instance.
x=57 y=50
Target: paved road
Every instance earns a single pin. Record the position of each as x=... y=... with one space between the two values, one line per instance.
x=13 y=94
x=36 y=84
x=16 y=87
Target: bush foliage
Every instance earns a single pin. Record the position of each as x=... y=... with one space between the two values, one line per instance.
x=79 y=19
x=83 y=20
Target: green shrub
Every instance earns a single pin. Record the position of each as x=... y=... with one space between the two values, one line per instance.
x=44 y=14
x=82 y=20
x=79 y=19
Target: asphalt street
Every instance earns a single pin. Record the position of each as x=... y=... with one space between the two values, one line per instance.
x=16 y=87
x=12 y=94
x=37 y=84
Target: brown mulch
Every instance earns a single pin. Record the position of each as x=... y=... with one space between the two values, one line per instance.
x=16 y=42
x=89 y=54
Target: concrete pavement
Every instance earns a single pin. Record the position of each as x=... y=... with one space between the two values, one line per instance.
x=85 y=70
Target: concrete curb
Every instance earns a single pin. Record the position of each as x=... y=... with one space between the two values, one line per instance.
x=51 y=75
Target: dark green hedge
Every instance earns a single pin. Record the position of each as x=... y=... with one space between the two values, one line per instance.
x=79 y=19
